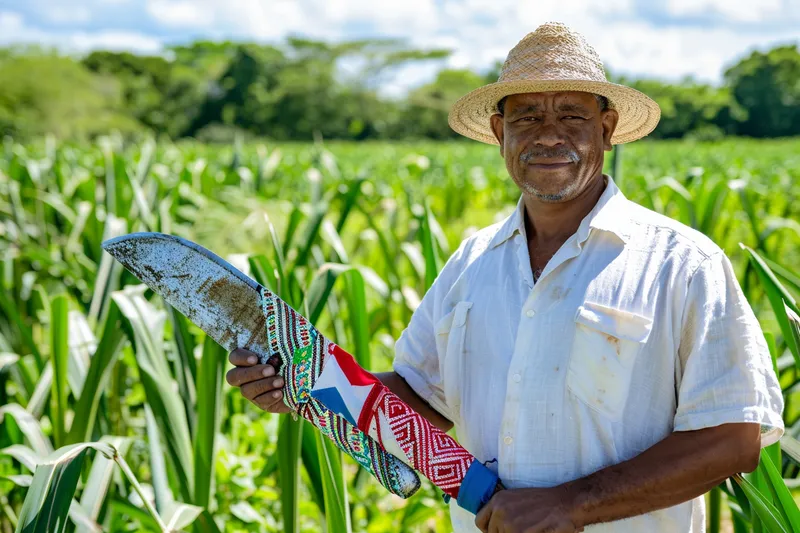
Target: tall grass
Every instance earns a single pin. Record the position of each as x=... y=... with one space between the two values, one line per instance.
x=118 y=397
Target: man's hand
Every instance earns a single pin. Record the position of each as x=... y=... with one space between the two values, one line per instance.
x=530 y=511
x=257 y=382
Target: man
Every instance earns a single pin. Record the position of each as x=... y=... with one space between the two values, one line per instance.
x=603 y=354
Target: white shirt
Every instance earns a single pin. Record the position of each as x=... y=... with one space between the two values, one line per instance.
x=636 y=328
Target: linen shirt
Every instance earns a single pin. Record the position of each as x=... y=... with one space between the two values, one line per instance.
x=636 y=328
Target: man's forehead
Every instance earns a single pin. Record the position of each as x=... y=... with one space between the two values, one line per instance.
x=556 y=97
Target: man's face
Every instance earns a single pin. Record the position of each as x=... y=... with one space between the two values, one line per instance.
x=553 y=142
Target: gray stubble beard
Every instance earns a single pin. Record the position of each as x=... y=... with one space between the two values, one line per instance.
x=566 y=192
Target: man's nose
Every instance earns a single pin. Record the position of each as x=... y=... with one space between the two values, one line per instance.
x=549 y=135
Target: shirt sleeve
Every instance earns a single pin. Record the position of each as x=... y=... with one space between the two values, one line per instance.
x=416 y=358
x=727 y=374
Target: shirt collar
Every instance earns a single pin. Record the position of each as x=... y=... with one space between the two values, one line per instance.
x=609 y=214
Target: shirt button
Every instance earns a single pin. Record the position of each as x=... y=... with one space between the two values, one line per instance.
x=529 y=313
x=508 y=440
x=517 y=378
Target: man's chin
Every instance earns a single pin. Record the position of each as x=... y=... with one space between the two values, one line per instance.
x=548 y=193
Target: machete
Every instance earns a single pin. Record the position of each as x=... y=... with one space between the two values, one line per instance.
x=323 y=383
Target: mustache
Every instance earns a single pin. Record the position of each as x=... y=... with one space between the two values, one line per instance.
x=546 y=152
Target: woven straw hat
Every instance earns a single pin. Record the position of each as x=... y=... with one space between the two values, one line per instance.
x=553 y=58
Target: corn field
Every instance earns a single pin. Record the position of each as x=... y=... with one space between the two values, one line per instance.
x=114 y=411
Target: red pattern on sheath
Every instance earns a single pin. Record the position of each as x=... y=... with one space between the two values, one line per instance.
x=429 y=450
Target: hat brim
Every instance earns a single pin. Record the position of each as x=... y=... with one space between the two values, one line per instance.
x=638 y=113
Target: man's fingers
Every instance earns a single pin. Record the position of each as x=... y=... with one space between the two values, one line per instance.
x=242 y=357
x=483 y=516
x=263 y=386
x=268 y=402
x=238 y=376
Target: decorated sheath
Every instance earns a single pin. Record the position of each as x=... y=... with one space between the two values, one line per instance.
x=324 y=383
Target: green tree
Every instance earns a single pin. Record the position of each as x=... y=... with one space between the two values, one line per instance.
x=691 y=108
x=46 y=93
x=427 y=107
x=767 y=85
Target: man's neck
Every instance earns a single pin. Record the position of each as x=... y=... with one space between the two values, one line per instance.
x=548 y=222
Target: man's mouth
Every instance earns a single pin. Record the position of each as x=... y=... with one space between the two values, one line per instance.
x=550 y=165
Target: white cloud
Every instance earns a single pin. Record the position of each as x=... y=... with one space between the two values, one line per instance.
x=67 y=15
x=181 y=13
x=15 y=30
x=275 y=18
x=479 y=32
x=738 y=10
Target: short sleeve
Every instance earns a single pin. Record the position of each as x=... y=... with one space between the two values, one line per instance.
x=416 y=359
x=727 y=373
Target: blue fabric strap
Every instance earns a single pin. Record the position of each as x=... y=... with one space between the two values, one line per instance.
x=477 y=487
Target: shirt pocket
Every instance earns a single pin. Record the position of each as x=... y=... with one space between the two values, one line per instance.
x=605 y=346
x=450 y=335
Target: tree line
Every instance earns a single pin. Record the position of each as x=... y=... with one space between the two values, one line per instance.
x=302 y=88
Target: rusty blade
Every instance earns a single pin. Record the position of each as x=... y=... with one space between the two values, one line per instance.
x=208 y=290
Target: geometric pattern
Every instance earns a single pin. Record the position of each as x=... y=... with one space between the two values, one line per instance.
x=349 y=390
x=430 y=451
x=301 y=350
x=365 y=419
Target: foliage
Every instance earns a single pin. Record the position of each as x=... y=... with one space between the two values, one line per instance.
x=766 y=85
x=304 y=89
x=45 y=93
x=353 y=235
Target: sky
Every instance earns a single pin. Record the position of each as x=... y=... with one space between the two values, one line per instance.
x=666 y=39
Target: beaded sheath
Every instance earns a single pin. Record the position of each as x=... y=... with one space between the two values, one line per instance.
x=326 y=386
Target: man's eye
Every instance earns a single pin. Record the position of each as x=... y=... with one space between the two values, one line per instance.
x=531 y=119
x=574 y=116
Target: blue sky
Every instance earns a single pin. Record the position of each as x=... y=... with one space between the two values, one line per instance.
x=668 y=39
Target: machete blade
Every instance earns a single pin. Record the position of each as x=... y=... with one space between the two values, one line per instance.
x=208 y=290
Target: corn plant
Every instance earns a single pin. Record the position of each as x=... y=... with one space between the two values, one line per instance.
x=114 y=398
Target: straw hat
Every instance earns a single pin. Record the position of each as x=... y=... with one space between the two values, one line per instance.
x=553 y=58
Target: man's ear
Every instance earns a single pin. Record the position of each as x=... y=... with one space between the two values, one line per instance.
x=497 y=128
x=609 y=121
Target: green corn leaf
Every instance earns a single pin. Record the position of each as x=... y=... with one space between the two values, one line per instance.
x=49 y=497
x=334 y=490
x=29 y=427
x=349 y=200
x=82 y=343
x=209 y=406
x=181 y=515
x=7 y=360
x=791 y=447
x=146 y=325
x=263 y=272
x=289 y=448
x=763 y=508
x=317 y=297
x=427 y=239
x=714 y=510
x=784 y=501
x=687 y=213
x=790 y=277
x=158 y=466
x=24 y=455
x=312 y=229
x=779 y=299
x=97 y=378
x=59 y=357
x=99 y=480
x=10 y=310
x=310 y=457
x=793 y=341
x=186 y=366
x=108 y=273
